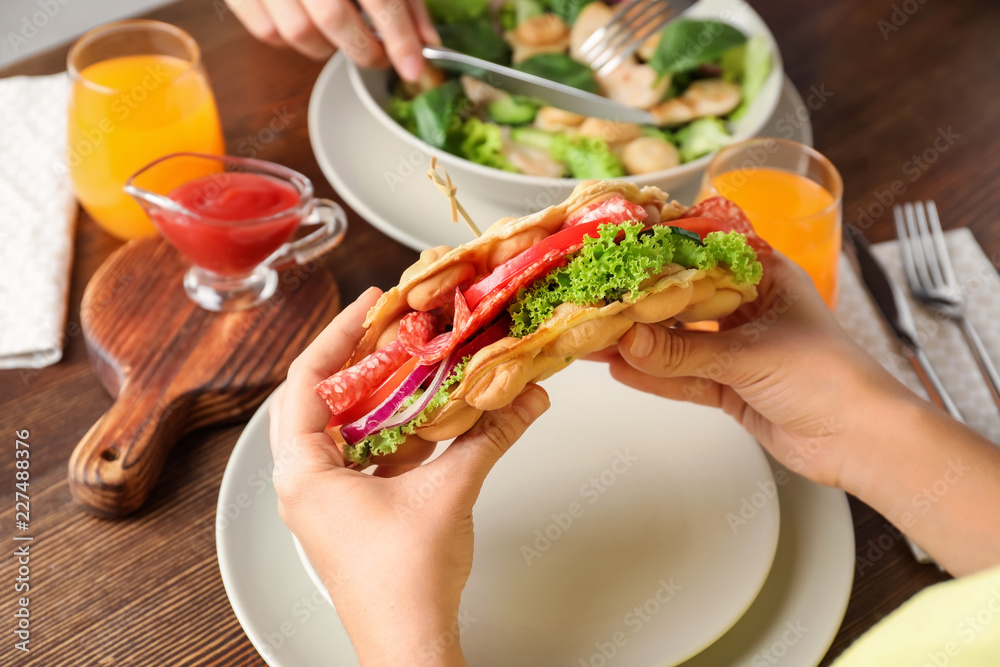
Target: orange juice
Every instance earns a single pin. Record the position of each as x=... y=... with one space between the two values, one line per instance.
x=125 y=112
x=794 y=214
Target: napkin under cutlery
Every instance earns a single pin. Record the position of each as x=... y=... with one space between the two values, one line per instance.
x=37 y=216
x=941 y=339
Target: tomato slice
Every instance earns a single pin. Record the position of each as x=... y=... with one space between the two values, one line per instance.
x=718 y=214
x=366 y=405
x=568 y=239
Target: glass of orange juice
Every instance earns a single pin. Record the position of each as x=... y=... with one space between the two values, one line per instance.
x=792 y=195
x=138 y=93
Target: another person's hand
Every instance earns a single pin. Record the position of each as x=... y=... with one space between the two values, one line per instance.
x=394 y=548
x=316 y=28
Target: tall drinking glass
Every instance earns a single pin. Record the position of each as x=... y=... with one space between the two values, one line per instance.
x=792 y=195
x=138 y=93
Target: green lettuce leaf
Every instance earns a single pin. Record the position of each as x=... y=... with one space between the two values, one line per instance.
x=604 y=270
x=560 y=68
x=483 y=144
x=701 y=137
x=568 y=10
x=586 y=157
x=687 y=43
x=447 y=12
x=476 y=38
x=756 y=69
x=387 y=440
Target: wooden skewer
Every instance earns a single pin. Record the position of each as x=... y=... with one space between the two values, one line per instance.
x=448 y=189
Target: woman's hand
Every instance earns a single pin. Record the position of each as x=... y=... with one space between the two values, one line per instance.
x=394 y=548
x=317 y=28
x=788 y=373
x=781 y=366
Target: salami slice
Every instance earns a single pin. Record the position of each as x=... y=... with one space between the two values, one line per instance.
x=345 y=388
x=612 y=211
x=462 y=312
x=416 y=329
x=729 y=216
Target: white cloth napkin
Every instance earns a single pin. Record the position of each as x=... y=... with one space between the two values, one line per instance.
x=37 y=216
x=941 y=339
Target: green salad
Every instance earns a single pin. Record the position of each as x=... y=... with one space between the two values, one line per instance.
x=694 y=77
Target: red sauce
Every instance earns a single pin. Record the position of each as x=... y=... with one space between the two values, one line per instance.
x=226 y=237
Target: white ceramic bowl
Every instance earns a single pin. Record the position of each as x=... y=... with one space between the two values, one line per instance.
x=533 y=192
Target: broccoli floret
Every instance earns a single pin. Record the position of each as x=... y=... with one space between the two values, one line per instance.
x=586 y=157
x=701 y=137
x=482 y=144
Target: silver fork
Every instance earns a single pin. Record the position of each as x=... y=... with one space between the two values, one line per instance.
x=626 y=30
x=932 y=280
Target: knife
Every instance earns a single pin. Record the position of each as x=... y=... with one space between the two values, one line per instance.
x=896 y=312
x=520 y=83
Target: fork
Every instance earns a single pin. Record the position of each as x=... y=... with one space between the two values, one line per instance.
x=626 y=30
x=931 y=277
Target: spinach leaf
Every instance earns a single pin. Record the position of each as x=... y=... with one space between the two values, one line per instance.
x=446 y=12
x=476 y=39
x=561 y=68
x=568 y=10
x=685 y=44
x=436 y=114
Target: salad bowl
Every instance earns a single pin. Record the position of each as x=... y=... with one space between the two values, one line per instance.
x=522 y=192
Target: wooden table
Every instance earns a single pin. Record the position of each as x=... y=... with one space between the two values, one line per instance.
x=898 y=101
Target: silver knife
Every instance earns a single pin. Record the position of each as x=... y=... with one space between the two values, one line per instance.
x=896 y=312
x=520 y=83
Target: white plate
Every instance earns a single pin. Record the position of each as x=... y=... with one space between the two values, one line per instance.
x=383 y=178
x=796 y=614
x=585 y=520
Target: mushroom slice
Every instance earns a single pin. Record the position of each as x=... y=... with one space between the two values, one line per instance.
x=706 y=97
x=552 y=119
x=634 y=85
x=532 y=160
x=546 y=33
x=611 y=131
x=479 y=92
x=591 y=18
x=648 y=154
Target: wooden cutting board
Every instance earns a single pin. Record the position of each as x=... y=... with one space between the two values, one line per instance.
x=173 y=367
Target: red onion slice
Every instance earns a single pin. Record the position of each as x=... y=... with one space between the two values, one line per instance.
x=384 y=416
x=361 y=428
